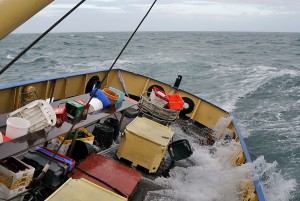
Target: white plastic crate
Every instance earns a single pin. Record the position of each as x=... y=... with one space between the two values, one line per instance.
x=13 y=179
x=6 y=193
x=158 y=97
x=39 y=113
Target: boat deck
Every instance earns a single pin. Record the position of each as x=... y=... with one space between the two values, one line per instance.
x=183 y=129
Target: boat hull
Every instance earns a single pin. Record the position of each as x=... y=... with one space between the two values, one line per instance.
x=203 y=113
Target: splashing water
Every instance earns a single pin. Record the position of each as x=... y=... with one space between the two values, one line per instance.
x=213 y=177
x=221 y=130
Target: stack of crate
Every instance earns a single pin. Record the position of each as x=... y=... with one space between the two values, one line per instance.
x=83 y=135
x=15 y=175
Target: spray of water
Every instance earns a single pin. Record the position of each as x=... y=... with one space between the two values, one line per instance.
x=214 y=176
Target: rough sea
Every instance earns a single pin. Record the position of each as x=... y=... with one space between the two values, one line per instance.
x=255 y=76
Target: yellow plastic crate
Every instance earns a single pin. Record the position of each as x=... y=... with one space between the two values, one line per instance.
x=83 y=190
x=55 y=142
x=145 y=143
x=89 y=138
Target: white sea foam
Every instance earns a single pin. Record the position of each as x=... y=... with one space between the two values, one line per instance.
x=205 y=181
x=213 y=178
x=253 y=78
x=221 y=130
x=9 y=57
x=274 y=184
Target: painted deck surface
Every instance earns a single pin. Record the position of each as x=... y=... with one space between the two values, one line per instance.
x=102 y=171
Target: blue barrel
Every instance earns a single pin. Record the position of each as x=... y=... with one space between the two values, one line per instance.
x=101 y=96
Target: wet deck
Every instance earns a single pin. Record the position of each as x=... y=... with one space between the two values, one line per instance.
x=183 y=128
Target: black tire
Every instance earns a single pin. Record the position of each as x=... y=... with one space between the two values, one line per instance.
x=188 y=106
x=131 y=113
x=149 y=90
x=94 y=81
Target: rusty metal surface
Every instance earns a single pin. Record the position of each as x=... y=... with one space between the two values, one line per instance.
x=37 y=138
x=118 y=176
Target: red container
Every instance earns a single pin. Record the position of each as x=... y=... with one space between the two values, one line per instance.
x=175 y=102
x=5 y=139
x=160 y=94
x=158 y=97
x=61 y=115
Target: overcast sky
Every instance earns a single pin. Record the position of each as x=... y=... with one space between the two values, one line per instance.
x=170 y=15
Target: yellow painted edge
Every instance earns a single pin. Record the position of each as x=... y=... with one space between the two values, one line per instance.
x=47 y=89
x=196 y=109
x=146 y=84
x=18 y=92
x=85 y=83
x=66 y=85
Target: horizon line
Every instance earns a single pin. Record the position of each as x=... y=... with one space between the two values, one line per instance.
x=56 y=32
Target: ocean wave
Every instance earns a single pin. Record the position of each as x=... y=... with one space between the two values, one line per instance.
x=67 y=43
x=214 y=169
x=38 y=47
x=253 y=79
x=206 y=180
x=240 y=52
x=9 y=57
x=41 y=60
x=195 y=182
x=275 y=186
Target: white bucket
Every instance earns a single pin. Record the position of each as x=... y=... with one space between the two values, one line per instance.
x=95 y=104
x=1 y=138
x=16 y=127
